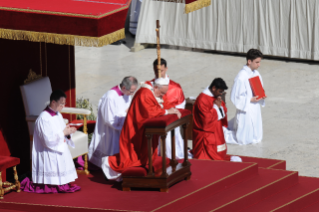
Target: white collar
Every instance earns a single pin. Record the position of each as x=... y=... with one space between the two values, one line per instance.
x=248 y=70
x=208 y=92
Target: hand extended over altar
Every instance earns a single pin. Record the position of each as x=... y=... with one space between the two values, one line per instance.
x=174 y=111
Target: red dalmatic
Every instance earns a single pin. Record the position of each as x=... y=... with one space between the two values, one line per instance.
x=208 y=136
x=133 y=143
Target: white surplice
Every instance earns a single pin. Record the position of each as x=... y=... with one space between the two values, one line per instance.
x=52 y=162
x=111 y=116
x=134 y=14
x=247 y=124
x=179 y=141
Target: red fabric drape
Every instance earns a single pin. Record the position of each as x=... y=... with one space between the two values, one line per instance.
x=133 y=143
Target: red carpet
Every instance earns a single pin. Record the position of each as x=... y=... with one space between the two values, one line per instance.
x=214 y=186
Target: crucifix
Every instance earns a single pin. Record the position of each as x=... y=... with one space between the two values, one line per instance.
x=158 y=49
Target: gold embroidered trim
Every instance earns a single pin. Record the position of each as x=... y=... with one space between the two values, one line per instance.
x=62 y=39
x=61 y=13
x=196 y=5
x=32 y=76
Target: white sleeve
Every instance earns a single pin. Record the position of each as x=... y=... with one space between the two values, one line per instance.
x=70 y=142
x=181 y=105
x=239 y=96
x=110 y=117
x=234 y=158
x=49 y=138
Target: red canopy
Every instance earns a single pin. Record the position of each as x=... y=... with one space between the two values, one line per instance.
x=69 y=22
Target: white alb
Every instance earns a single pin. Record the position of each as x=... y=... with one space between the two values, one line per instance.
x=110 y=119
x=247 y=124
x=52 y=162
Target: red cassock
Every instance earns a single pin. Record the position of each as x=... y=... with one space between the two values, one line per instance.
x=208 y=136
x=133 y=143
x=174 y=94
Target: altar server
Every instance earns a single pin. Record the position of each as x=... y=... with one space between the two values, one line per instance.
x=176 y=97
x=210 y=116
x=247 y=126
x=112 y=110
x=52 y=164
x=148 y=102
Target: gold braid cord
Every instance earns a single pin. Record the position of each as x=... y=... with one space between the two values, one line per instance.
x=196 y=5
x=62 y=39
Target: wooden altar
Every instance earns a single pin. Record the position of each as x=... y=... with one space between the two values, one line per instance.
x=170 y=174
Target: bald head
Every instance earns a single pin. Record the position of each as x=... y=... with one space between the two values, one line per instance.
x=129 y=85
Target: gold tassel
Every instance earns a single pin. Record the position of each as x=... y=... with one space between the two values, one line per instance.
x=62 y=39
x=196 y=5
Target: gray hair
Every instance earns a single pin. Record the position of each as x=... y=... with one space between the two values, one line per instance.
x=158 y=85
x=127 y=82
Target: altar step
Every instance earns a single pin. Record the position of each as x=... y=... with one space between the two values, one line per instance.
x=250 y=190
x=266 y=183
x=295 y=198
x=312 y=208
x=250 y=186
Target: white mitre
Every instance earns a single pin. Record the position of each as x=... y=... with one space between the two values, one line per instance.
x=161 y=81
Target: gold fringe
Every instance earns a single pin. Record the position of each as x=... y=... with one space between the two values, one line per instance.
x=62 y=39
x=196 y=5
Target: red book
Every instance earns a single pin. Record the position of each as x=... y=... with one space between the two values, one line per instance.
x=257 y=87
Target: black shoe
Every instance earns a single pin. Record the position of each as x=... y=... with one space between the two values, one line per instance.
x=119 y=42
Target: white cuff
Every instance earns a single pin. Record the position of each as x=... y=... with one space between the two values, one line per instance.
x=70 y=142
x=262 y=103
x=220 y=116
x=166 y=112
x=235 y=159
x=181 y=105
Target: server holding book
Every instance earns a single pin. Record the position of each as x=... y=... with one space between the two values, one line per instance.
x=247 y=95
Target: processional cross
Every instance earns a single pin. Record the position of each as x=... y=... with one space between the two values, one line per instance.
x=158 y=49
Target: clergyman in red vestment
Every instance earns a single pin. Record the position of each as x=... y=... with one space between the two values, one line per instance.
x=148 y=102
x=210 y=116
x=176 y=97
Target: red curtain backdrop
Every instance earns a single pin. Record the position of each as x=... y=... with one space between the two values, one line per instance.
x=17 y=58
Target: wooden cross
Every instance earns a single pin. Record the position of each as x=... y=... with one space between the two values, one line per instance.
x=158 y=49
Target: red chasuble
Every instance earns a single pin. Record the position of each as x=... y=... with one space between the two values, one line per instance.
x=175 y=93
x=133 y=143
x=208 y=136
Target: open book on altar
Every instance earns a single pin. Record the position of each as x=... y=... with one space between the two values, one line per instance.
x=257 y=87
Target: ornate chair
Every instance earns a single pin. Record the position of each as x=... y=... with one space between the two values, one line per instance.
x=36 y=96
x=7 y=162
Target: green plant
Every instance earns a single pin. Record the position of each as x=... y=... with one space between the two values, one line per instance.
x=85 y=104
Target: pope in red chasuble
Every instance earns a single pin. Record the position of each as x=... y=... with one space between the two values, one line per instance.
x=175 y=96
x=148 y=102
